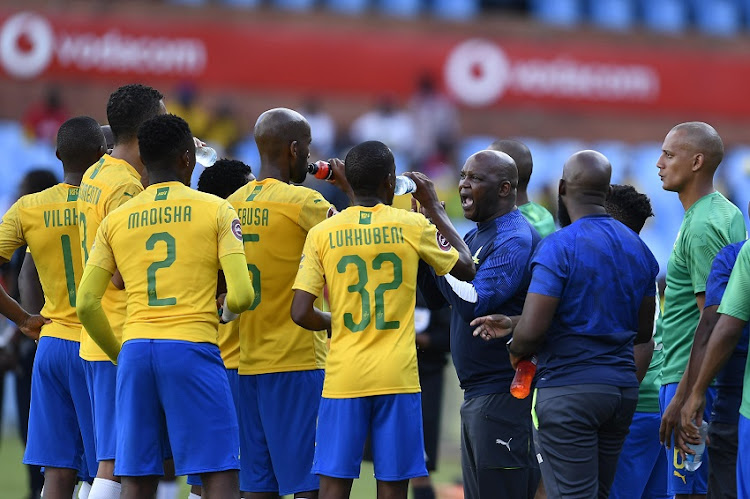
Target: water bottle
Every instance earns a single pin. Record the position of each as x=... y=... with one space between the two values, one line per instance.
x=521 y=385
x=404 y=185
x=205 y=155
x=321 y=170
x=694 y=461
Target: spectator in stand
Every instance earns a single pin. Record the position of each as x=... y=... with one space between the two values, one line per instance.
x=187 y=108
x=434 y=118
x=323 y=129
x=223 y=129
x=43 y=119
x=387 y=124
x=536 y=214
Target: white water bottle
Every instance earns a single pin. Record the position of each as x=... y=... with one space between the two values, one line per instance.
x=404 y=185
x=694 y=461
x=205 y=155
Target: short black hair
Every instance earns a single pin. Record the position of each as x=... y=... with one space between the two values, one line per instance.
x=628 y=206
x=366 y=166
x=162 y=140
x=37 y=180
x=78 y=140
x=128 y=107
x=224 y=177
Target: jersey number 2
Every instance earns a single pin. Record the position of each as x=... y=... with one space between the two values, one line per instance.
x=167 y=238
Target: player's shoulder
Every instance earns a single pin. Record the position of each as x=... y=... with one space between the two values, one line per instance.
x=275 y=191
x=58 y=193
x=711 y=213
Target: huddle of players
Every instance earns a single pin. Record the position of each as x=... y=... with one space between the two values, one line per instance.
x=165 y=244
x=157 y=253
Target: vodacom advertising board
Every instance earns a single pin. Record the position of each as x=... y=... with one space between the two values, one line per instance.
x=478 y=72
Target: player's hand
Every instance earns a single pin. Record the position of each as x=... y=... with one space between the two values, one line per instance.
x=31 y=326
x=423 y=341
x=670 y=423
x=691 y=419
x=490 y=327
x=425 y=192
x=198 y=143
x=339 y=176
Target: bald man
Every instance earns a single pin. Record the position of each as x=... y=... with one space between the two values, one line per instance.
x=590 y=299
x=536 y=214
x=496 y=450
x=281 y=364
x=691 y=154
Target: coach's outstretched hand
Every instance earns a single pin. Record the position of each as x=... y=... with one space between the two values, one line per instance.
x=494 y=326
x=32 y=326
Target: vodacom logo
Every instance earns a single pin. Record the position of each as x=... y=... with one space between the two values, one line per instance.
x=26 y=45
x=479 y=73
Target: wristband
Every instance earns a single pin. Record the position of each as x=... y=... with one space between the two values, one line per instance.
x=227 y=315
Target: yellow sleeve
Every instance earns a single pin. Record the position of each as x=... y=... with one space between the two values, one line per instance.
x=436 y=250
x=121 y=195
x=314 y=210
x=11 y=232
x=240 y=294
x=310 y=275
x=229 y=232
x=101 y=252
x=89 y=308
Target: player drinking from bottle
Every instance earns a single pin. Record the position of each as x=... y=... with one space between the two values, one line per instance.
x=368 y=256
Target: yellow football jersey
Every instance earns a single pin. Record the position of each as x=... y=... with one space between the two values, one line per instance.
x=275 y=219
x=106 y=185
x=229 y=344
x=368 y=257
x=166 y=242
x=47 y=223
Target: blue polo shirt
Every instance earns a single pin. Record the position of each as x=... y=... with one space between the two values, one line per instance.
x=726 y=406
x=502 y=250
x=601 y=271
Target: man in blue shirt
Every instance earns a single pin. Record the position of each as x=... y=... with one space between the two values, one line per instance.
x=496 y=450
x=590 y=299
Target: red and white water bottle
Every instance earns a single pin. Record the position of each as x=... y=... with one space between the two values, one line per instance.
x=521 y=385
x=320 y=169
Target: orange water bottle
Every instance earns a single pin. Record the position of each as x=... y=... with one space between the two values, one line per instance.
x=521 y=385
x=320 y=169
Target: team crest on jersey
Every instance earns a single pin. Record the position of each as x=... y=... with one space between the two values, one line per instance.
x=237 y=228
x=442 y=242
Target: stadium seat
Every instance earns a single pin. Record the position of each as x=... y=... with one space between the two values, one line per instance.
x=618 y=154
x=351 y=7
x=558 y=152
x=400 y=8
x=717 y=17
x=299 y=5
x=455 y=10
x=666 y=16
x=247 y=152
x=558 y=12
x=244 y=4
x=470 y=145
x=735 y=174
x=612 y=14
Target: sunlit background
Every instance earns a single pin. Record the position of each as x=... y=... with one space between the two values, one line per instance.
x=437 y=80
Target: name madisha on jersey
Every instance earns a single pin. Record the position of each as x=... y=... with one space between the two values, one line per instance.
x=54 y=218
x=366 y=236
x=160 y=215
